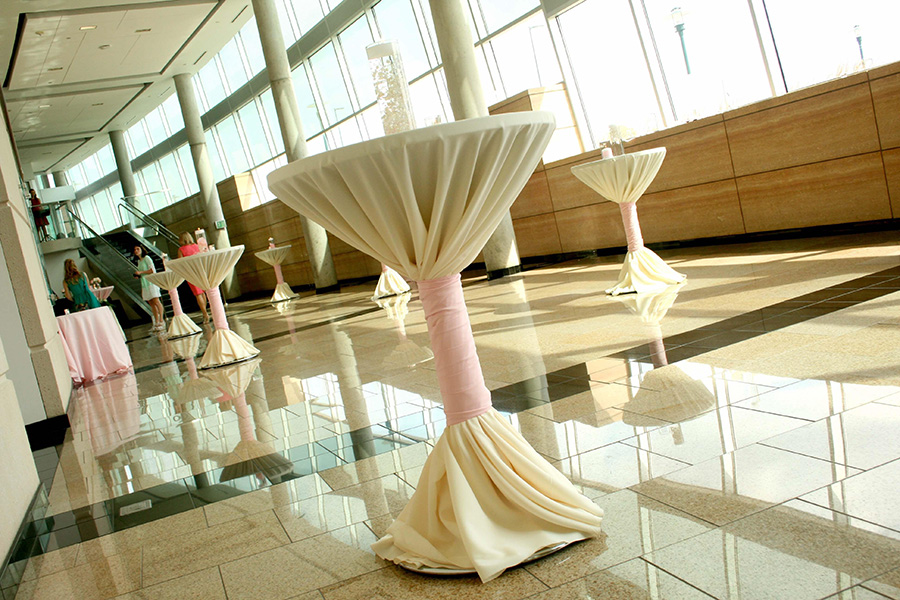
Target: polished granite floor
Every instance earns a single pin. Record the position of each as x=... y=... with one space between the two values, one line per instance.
x=740 y=431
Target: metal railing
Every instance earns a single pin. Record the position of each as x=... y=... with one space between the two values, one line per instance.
x=146 y=220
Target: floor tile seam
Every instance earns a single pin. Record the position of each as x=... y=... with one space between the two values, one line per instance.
x=799 y=453
x=654 y=453
x=685 y=463
x=649 y=561
x=842 y=513
x=768 y=412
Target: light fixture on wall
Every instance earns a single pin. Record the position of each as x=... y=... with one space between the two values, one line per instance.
x=857 y=31
x=678 y=20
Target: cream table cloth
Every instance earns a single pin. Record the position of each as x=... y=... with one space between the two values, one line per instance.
x=622 y=179
x=275 y=257
x=196 y=387
x=103 y=292
x=181 y=324
x=207 y=270
x=390 y=283
x=424 y=202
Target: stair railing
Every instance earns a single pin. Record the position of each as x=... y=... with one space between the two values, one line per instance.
x=147 y=221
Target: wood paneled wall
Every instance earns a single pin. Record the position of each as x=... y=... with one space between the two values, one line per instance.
x=824 y=155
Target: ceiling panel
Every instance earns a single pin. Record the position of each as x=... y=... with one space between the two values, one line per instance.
x=75 y=47
x=60 y=115
x=43 y=157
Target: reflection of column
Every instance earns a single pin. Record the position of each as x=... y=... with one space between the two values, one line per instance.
x=501 y=255
x=209 y=195
x=279 y=70
x=123 y=166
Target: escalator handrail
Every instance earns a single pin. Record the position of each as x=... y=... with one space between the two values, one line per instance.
x=147 y=220
x=101 y=238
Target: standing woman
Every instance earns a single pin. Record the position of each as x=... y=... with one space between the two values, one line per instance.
x=189 y=248
x=149 y=292
x=40 y=215
x=76 y=288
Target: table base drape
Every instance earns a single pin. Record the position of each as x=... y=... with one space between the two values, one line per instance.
x=226 y=347
x=644 y=271
x=486 y=501
x=389 y=284
x=182 y=325
x=283 y=292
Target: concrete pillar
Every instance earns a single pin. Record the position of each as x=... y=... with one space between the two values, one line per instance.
x=209 y=195
x=41 y=343
x=501 y=254
x=45 y=181
x=60 y=179
x=279 y=69
x=123 y=166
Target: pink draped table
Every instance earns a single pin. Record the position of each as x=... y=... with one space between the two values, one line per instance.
x=424 y=203
x=275 y=255
x=103 y=293
x=94 y=344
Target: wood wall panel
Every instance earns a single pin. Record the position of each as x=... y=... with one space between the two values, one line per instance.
x=891 y=160
x=537 y=235
x=886 y=98
x=823 y=127
x=698 y=211
x=590 y=227
x=534 y=198
x=837 y=191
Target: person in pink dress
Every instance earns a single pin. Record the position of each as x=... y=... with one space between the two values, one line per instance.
x=189 y=248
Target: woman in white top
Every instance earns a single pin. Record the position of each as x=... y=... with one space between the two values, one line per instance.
x=149 y=292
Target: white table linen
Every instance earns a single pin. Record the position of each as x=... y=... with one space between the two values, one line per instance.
x=390 y=283
x=181 y=324
x=103 y=292
x=275 y=257
x=622 y=179
x=424 y=203
x=207 y=270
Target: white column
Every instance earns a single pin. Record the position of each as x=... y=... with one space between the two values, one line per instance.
x=123 y=166
x=279 y=70
x=501 y=254
x=209 y=195
x=60 y=179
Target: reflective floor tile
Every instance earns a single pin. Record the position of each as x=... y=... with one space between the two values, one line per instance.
x=815 y=399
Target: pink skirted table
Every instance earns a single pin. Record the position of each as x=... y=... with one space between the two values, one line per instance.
x=94 y=344
x=424 y=202
x=275 y=256
x=622 y=179
x=103 y=293
x=207 y=270
x=181 y=324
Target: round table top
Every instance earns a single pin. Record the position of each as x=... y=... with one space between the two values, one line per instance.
x=424 y=202
x=167 y=280
x=622 y=179
x=207 y=270
x=274 y=256
x=103 y=292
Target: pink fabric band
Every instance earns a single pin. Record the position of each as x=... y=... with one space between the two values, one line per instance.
x=176 y=302
x=455 y=359
x=383 y=268
x=245 y=423
x=279 y=278
x=218 y=309
x=192 y=367
x=632 y=227
x=658 y=353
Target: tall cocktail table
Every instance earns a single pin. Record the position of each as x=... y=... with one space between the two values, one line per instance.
x=181 y=324
x=207 y=270
x=622 y=179
x=275 y=256
x=424 y=202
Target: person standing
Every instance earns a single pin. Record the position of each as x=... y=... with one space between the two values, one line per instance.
x=189 y=248
x=40 y=214
x=76 y=288
x=149 y=292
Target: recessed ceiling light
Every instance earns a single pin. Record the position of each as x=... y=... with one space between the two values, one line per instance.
x=146 y=30
x=97 y=104
x=55 y=69
x=104 y=46
x=44 y=106
x=87 y=27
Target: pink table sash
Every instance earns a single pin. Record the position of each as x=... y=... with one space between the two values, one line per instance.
x=93 y=343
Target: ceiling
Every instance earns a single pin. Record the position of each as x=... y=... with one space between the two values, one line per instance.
x=74 y=70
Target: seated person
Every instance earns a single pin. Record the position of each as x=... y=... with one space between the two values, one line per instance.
x=75 y=285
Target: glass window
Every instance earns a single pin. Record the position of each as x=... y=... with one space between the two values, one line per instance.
x=233 y=65
x=497 y=14
x=91 y=168
x=116 y=194
x=171 y=111
x=172 y=177
x=309 y=114
x=344 y=134
x=187 y=167
x=285 y=18
x=215 y=157
x=138 y=137
x=254 y=132
x=308 y=12
x=211 y=82
x=371 y=119
x=817 y=42
x=396 y=21
x=75 y=177
x=526 y=57
x=330 y=84
x=107 y=160
x=252 y=47
x=154 y=123
x=718 y=80
x=271 y=116
x=603 y=77
x=353 y=41
x=153 y=198
x=235 y=156
x=317 y=145
x=427 y=106
x=105 y=210
x=87 y=212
